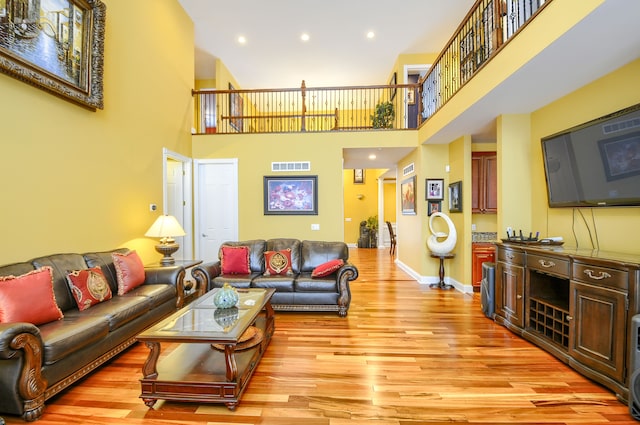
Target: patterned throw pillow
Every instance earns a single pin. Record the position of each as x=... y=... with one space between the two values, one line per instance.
x=89 y=287
x=235 y=260
x=278 y=262
x=129 y=271
x=29 y=298
x=327 y=268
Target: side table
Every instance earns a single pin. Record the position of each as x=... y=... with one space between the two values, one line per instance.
x=441 y=284
x=189 y=291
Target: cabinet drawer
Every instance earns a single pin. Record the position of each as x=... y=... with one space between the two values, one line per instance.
x=601 y=276
x=550 y=265
x=511 y=256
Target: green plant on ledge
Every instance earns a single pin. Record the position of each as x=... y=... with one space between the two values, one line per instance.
x=384 y=115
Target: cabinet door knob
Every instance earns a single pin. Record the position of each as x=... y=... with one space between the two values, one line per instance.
x=518 y=297
x=592 y=275
x=547 y=264
x=569 y=318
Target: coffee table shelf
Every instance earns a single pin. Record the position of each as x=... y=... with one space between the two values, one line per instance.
x=195 y=371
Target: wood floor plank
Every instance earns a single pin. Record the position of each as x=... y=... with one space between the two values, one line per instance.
x=405 y=355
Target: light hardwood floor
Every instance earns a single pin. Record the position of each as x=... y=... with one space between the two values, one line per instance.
x=406 y=354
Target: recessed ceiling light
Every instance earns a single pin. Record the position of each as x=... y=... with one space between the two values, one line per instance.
x=371 y=35
x=304 y=37
x=372 y=156
x=242 y=39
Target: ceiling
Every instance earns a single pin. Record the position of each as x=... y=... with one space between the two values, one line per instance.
x=339 y=54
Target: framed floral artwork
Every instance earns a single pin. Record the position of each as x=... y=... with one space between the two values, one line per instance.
x=291 y=195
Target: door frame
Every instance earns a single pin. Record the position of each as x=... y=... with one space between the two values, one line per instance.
x=421 y=69
x=187 y=222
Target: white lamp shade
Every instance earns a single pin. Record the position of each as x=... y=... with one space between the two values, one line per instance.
x=165 y=226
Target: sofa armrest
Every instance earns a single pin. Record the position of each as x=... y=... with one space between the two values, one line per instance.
x=204 y=274
x=22 y=341
x=346 y=273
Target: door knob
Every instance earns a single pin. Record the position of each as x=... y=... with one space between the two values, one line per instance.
x=204 y=235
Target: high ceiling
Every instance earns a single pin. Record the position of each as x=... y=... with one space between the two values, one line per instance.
x=338 y=52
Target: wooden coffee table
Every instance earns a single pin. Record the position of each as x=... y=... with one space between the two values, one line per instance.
x=217 y=354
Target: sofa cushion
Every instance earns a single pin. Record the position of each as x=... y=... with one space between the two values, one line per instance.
x=75 y=331
x=314 y=253
x=61 y=264
x=235 y=260
x=129 y=271
x=104 y=260
x=256 y=253
x=325 y=269
x=306 y=283
x=157 y=293
x=279 y=244
x=120 y=310
x=29 y=298
x=88 y=287
x=278 y=262
x=279 y=282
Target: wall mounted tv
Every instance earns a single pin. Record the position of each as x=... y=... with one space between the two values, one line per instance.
x=596 y=164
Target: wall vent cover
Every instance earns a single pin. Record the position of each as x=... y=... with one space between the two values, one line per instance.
x=291 y=166
x=407 y=170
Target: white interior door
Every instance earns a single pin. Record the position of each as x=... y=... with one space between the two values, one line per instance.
x=178 y=198
x=216 y=188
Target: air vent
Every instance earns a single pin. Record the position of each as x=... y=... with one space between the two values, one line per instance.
x=291 y=166
x=621 y=126
x=407 y=170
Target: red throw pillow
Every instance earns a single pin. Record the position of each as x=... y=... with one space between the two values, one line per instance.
x=129 y=271
x=327 y=268
x=235 y=260
x=278 y=262
x=89 y=287
x=29 y=298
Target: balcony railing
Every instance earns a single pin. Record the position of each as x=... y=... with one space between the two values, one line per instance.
x=485 y=29
x=488 y=26
x=306 y=109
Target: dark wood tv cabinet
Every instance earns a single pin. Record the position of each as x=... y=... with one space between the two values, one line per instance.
x=576 y=304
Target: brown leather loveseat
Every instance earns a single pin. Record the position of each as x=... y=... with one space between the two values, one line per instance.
x=316 y=278
x=39 y=361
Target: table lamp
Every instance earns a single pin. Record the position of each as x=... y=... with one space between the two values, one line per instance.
x=166 y=227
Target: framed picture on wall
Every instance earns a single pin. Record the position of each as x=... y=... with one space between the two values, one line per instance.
x=434 y=207
x=358 y=176
x=408 y=194
x=455 y=197
x=290 y=195
x=434 y=189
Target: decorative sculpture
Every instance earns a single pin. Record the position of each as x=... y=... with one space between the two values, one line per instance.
x=435 y=242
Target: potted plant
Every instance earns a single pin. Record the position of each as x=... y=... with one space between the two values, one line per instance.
x=384 y=115
x=372 y=226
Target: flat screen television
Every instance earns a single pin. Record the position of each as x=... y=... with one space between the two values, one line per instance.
x=596 y=164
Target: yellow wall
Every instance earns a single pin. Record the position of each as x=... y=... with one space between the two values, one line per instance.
x=390 y=201
x=76 y=180
x=360 y=202
x=617 y=228
x=324 y=150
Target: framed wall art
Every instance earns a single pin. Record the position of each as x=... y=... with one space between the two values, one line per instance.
x=408 y=194
x=358 y=176
x=56 y=45
x=291 y=195
x=434 y=189
x=434 y=207
x=236 y=106
x=455 y=197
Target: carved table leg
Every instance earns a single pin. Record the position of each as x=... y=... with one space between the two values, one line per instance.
x=230 y=360
x=149 y=370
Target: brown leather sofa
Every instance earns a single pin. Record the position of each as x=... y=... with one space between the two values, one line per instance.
x=298 y=291
x=37 y=362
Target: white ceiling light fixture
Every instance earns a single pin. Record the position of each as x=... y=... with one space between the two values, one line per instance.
x=372 y=156
x=242 y=39
x=371 y=35
x=304 y=36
